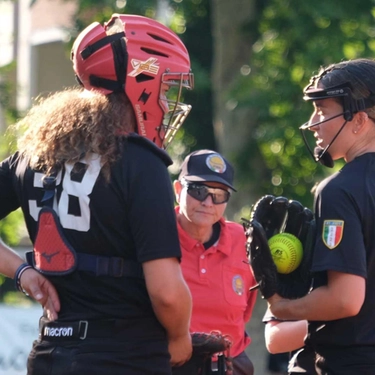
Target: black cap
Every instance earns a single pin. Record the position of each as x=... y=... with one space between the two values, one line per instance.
x=207 y=166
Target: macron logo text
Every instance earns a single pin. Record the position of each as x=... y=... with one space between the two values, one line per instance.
x=58 y=332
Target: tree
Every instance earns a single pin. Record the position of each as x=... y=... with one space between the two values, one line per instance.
x=9 y=227
x=260 y=99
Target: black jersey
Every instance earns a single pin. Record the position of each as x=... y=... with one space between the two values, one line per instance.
x=345 y=216
x=131 y=216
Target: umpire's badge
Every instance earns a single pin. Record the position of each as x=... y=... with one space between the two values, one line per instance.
x=237 y=285
x=332 y=232
x=216 y=163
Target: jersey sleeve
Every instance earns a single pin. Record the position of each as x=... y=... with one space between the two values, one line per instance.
x=8 y=197
x=151 y=208
x=339 y=243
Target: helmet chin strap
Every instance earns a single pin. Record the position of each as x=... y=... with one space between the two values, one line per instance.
x=322 y=155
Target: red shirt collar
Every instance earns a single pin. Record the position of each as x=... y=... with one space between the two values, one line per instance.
x=224 y=244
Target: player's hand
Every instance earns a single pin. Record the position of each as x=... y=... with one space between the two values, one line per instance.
x=275 y=305
x=180 y=349
x=42 y=290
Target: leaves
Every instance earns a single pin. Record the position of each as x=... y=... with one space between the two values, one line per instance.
x=295 y=39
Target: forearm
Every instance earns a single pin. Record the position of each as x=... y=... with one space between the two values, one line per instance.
x=342 y=297
x=169 y=294
x=281 y=337
x=10 y=260
x=174 y=312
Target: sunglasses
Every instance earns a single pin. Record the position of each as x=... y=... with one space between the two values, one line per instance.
x=201 y=192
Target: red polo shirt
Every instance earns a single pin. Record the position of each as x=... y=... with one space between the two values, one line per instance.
x=219 y=279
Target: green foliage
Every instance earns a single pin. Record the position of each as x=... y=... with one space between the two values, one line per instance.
x=294 y=39
x=10 y=296
x=10 y=226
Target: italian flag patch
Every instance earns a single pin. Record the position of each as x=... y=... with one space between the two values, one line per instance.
x=332 y=232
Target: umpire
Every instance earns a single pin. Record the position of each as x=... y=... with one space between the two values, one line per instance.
x=91 y=179
x=214 y=262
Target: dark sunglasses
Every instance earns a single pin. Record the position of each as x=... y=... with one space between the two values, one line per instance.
x=201 y=192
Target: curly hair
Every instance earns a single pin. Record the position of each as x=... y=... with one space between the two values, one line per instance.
x=69 y=124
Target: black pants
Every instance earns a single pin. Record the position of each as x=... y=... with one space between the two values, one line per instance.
x=242 y=365
x=99 y=357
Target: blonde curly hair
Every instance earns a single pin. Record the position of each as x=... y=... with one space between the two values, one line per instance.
x=69 y=124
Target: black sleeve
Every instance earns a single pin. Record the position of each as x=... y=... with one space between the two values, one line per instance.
x=339 y=242
x=151 y=208
x=8 y=197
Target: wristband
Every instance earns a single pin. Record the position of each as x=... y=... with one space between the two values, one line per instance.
x=17 y=276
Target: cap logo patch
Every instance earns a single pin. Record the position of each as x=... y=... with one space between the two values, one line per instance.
x=332 y=232
x=216 y=163
x=150 y=66
x=238 y=285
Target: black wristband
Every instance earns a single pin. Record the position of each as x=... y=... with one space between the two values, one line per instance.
x=17 y=276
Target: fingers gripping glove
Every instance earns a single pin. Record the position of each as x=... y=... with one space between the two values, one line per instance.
x=205 y=345
x=209 y=343
x=275 y=215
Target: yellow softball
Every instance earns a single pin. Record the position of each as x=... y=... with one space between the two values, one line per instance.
x=287 y=252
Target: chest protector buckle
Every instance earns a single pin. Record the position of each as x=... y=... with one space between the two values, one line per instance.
x=52 y=255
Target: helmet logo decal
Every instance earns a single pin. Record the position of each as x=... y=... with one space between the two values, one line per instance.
x=148 y=66
x=216 y=163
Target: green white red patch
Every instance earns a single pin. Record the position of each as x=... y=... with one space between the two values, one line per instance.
x=332 y=232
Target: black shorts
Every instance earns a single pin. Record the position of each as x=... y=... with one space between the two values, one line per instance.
x=98 y=357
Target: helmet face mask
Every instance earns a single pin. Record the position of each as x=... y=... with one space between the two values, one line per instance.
x=350 y=106
x=175 y=111
x=149 y=57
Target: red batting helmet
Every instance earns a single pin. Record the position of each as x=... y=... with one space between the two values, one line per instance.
x=145 y=59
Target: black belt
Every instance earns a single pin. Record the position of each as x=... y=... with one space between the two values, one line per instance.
x=109 y=266
x=102 y=265
x=77 y=330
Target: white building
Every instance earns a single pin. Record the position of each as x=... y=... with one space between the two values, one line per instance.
x=33 y=34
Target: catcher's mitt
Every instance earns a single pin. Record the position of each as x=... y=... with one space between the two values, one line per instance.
x=272 y=215
x=205 y=345
x=210 y=343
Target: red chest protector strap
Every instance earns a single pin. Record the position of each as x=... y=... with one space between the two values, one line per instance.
x=53 y=254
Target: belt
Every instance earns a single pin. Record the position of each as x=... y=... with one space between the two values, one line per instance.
x=77 y=330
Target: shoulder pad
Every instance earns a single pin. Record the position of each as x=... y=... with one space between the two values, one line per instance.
x=144 y=142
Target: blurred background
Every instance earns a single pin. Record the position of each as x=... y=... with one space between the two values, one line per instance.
x=251 y=60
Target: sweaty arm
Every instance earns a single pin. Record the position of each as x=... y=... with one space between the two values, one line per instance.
x=281 y=337
x=171 y=301
x=342 y=297
x=34 y=284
